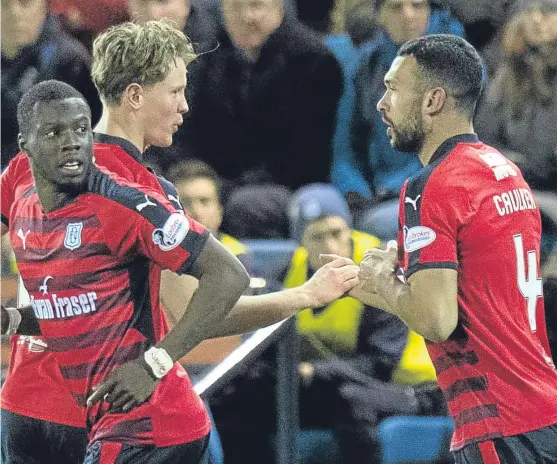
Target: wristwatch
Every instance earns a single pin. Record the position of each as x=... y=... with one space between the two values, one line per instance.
x=159 y=361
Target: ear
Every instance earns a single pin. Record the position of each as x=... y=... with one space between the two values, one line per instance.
x=133 y=96
x=434 y=101
x=22 y=142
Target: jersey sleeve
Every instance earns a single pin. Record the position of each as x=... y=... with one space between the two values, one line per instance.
x=6 y=192
x=433 y=214
x=143 y=221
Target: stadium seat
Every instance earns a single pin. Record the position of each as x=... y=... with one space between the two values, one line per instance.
x=269 y=258
x=415 y=439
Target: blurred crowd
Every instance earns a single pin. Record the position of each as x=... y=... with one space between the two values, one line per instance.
x=283 y=141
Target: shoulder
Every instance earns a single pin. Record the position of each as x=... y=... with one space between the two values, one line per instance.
x=108 y=190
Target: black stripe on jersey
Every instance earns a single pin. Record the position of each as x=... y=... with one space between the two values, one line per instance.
x=78 y=342
x=462 y=386
x=437 y=265
x=101 y=365
x=170 y=192
x=448 y=360
x=475 y=414
x=86 y=250
x=44 y=225
x=142 y=318
x=5 y=220
x=77 y=280
x=139 y=202
x=134 y=427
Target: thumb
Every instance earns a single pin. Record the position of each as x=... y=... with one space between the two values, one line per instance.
x=392 y=245
x=327 y=258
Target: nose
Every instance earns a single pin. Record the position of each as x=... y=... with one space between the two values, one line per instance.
x=183 y=106
x=408 y=12
x=71 y=141
x=381 y=104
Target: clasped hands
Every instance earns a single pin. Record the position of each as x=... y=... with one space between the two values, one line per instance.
x=376 y=273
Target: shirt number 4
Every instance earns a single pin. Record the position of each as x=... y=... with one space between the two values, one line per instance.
x=530 y=286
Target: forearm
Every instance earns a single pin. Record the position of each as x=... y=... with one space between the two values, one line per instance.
x=29 y=324
x=199 y=322
x=416 y=309
x=254 y=312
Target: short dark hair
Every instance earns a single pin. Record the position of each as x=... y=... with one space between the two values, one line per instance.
x=43 y=92
x=194 y=169
x=451 y=62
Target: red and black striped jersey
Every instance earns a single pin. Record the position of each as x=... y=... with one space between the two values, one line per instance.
x=112 y=152
x=470 y=209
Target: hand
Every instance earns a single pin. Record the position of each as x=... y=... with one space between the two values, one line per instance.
x=331 y=281
x=377 y=269
x=126 y=387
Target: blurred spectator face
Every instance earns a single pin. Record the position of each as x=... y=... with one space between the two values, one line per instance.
x=532 y=36
x=404 y=19
x=401 y=106
x=328 y=235
x=177 y=11
x=163 y=104
x=251 y=22
x=200 y=199
x=22 y=22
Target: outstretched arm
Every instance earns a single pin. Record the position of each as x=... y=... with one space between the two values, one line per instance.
x=253 y=312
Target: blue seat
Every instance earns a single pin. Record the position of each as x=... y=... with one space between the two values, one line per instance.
x=415 y=439
x=269 y=258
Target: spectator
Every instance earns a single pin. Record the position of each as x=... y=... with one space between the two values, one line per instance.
x=264 y=102
x=200 y=190
x=364 y=160
x=351 y=353
x=196 y=18
x=34 y=49
x=523 y=95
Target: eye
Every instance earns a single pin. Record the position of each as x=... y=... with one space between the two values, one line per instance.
x=81 y=129
x=51 y=134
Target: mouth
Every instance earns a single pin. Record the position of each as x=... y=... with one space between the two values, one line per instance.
x=72 y=167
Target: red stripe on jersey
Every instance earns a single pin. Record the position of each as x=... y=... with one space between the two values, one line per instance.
x=489 y=453
x=109 y=452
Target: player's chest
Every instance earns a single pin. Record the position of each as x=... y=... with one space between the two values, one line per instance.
x=71 y=234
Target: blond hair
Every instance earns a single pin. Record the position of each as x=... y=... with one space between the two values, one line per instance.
x=136 y=53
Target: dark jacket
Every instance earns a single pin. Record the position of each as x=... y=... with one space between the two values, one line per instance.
x=275 y=115
x=56 y=55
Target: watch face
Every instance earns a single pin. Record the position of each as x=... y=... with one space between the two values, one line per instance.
x=159 y=360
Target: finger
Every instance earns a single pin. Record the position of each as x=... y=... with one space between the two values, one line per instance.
x=122 y=400
x=349 y=272
x=99 y=392
x=350 y=284
x=116 y=395
x=330 y=258
x=392 y=244
x=130 y=405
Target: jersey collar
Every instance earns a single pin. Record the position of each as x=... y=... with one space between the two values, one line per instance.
x=448 y=145
x=126 y=145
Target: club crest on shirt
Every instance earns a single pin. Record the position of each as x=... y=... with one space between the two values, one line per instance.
x=417 y=237
x=172 y=233
x=73 y=235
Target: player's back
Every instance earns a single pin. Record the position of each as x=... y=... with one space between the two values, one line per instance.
x=495 y=369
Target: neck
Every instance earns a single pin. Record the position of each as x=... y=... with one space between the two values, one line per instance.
x=119 y=122
x=50 y=197
x=444 y=130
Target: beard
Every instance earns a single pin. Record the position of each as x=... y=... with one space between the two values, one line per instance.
x=408 y=136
